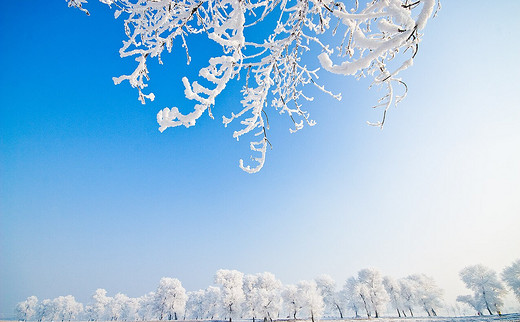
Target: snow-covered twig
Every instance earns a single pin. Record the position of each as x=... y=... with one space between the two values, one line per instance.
x=380 y=37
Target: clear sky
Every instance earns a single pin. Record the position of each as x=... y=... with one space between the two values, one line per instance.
x=92 y=195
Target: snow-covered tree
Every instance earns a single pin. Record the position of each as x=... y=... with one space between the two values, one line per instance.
x=98 y=308
x=146 y=306
x=474 y=302
x=310 y=300
x=267 y=296
x=130 y=309
x=351 y=296
x=291 y=300
x=427 y=294
x=212 y=302
x=511 y=276
x=486 y=286
x=115 y=306
x=372 y=290
x=27 y=309
x=331 y=298
x=169 y=299
x=46 y=311
x=203 y=304
x=231 y=292
x=262 y=297
x=194 y=309
x=248 y=305
x=378 y=40
x=393 y=289
x=408 y=294
x=122 y=307
x=67 y=308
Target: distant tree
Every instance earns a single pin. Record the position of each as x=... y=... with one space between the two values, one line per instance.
x=27 y=309
x=331 y=298
x=248 y=305
x=408 y=294
x=203 y=304
x=266 y=296
x=212 y=302
x=98 y=308
x=393 y=289
x=46 y=311
x=351 y=296
x=115 y=306
x=145 y=309
x=427 y=294
x=511 y=276
x=67 y=308
x=291 y=300
x=310 y=299
x=372 y=290
x=169 y=299
x=130 y=309
x=87 y=311
x=485 y=285
x=378 y=40
x=232 y=294
x=194 y=305
x=122 y=307
x=475 y=303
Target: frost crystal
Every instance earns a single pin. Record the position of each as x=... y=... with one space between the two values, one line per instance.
x=378 y=41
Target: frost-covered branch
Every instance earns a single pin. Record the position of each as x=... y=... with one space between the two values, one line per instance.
x=379 y=40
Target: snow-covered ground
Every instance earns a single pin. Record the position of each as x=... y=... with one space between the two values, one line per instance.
x=505 y=317
x=484 y=318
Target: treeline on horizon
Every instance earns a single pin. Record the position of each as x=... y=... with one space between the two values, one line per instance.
x=262 y=296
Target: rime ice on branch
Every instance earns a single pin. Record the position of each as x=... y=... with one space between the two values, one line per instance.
x=377 y=41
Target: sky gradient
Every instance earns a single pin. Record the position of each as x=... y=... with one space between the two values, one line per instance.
x=92 y=195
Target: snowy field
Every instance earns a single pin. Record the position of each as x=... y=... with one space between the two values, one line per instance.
x=504 y=317
x=484 y=318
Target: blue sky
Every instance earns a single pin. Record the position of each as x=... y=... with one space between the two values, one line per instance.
x=92 y=195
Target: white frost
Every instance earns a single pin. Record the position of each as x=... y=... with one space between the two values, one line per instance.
x=379 y=40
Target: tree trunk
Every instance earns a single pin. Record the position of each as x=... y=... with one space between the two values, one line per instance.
x=398 y=313
x=312 y=316
x=485 y=300
x=411 y=313
x=375 y=310
x=433 y=312
x=366 y=308
x=340 y=313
